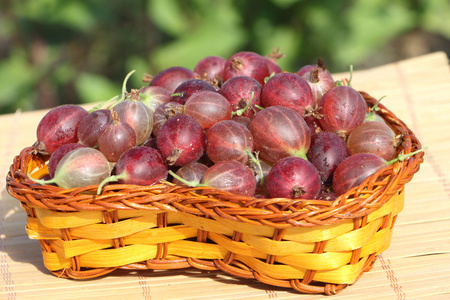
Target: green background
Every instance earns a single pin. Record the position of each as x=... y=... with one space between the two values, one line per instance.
x=54 y=52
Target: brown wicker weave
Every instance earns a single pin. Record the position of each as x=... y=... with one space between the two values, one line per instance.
x=311 y=246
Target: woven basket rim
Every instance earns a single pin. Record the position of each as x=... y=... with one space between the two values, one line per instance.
x=210 y=202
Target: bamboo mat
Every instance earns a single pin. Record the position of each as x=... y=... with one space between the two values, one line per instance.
x=416 y=266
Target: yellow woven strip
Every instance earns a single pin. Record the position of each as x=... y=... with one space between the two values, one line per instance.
x=137 y=253
x=115 y=230
x=354 y=239
x=161 y=235
x=379 y=242
x=365 y=235
x=174 y=218
x=245 y=228
x=272 y=247
x=197 y=250
x=318 y=233
x=332 y=260
x=126 y=214
x=54 y=262
x=393 y=206
x=73 y=248
x=312 y=261
x=328 y=232
x=274 y=271
x=205 y=224
x=118 y=257
x=38 y=173
x=36 y=231
x=345 y=274
x=236 y=247
x=53 y=219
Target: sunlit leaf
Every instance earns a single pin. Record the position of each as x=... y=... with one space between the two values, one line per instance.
x=76 y=15
x=435 y=16
x=370 y=25
x=73 y=14
x=168 y=16
x=95 y=88
x=141 y=66
x=285 y=3
x=17 y=78
x=284 y=38
x=217 y=33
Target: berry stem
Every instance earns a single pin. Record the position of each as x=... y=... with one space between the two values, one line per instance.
x=370 y=116
x=259 y=107
x=124 y=90
x=239 y=112
x=112 y=178
x=188 y=183
x=402 y=157
x=268 y=77
x=375 y=107
x=97 y=107
x=124 y=84
x=255 y=159
x=351 y=76
x=345 y=81
x=41 y=181
x=116 y=98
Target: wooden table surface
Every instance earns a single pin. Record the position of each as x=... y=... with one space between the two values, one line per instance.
x=416 y=266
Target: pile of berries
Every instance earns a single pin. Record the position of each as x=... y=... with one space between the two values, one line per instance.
x=239 y=124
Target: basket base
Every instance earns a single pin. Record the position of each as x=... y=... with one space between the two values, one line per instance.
x=323 y=259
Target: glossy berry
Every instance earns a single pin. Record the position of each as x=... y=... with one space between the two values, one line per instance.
x=56 y=156
x=208 y=108
x=139 y=165
x=246 y=63
x=172 y=77
x=326 y=152
x=228 y=140
x=115 y=138
x=279 y=132
x=288 y=90
x=190 y=87
x=294 y=178
x=342 y=109
x=59 y=127
x=181 y=140
x=80 y=167
x=231 y=176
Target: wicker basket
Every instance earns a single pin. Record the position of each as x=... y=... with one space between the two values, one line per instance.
x=310 y=246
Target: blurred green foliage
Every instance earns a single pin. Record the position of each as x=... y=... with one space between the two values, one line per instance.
x=66 y=51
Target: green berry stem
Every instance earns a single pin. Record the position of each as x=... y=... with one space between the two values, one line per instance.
x=188 y=183
x=255 y=159
x=402 y=157
x=268 y=77
x=124 y=84
x=112 y=178
x=375 y=107
x=97 y=107
x=351 y=76
x=124 y=90
x=342 y=82
x=239 y=112
x=41 y=181
x=117 y=98
x=370 y=116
